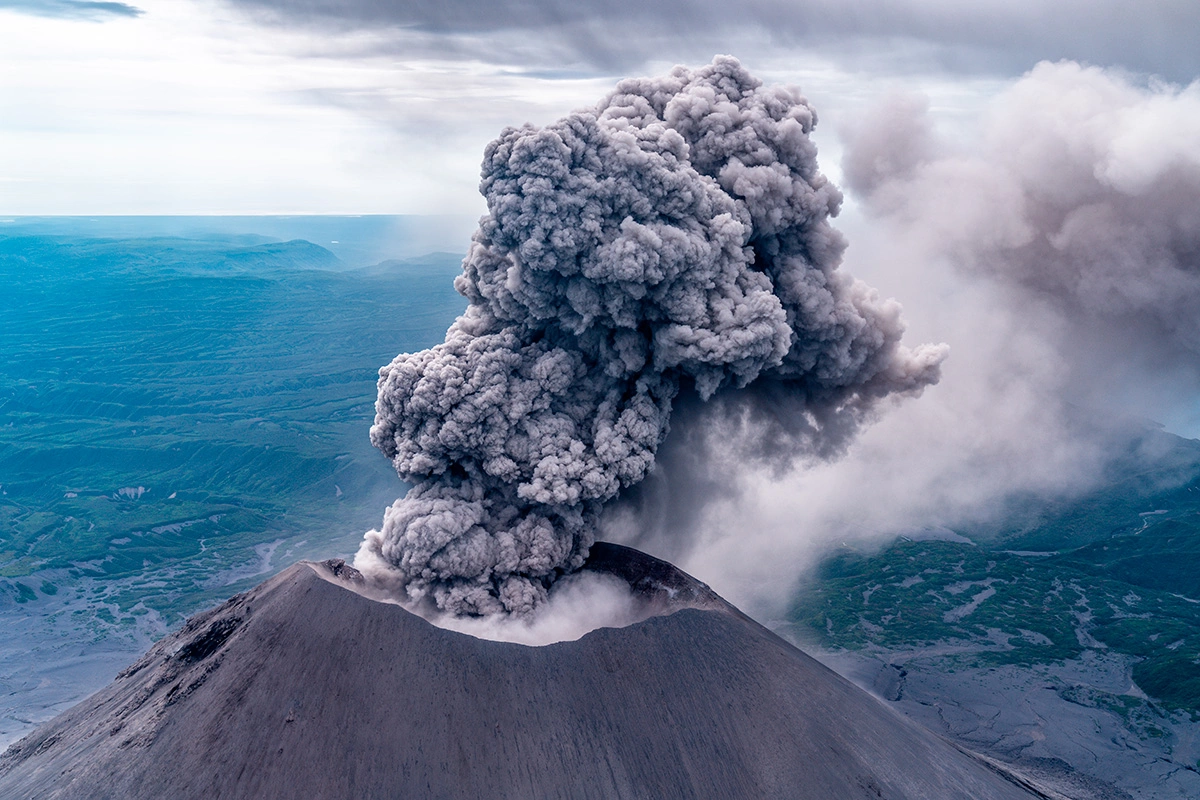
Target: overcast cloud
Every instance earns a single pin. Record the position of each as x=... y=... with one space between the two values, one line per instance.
x=990 y=36
x=252 y=106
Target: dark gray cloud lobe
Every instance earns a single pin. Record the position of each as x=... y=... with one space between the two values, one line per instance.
x=674 y=238
x=617 y=35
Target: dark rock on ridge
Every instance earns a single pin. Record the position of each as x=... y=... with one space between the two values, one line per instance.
x=661 y=586
x=304 y=688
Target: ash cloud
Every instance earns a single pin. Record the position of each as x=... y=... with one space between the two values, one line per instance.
x=1082 y=197
x=670 y=244
x=1047 y=235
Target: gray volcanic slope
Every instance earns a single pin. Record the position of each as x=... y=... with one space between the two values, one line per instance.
x=305 y=688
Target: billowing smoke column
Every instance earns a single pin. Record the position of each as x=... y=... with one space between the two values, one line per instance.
x=675 y=237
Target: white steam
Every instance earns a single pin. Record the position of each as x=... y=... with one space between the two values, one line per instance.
x=575 y=605
x=1083 y=193
x=1058 y=252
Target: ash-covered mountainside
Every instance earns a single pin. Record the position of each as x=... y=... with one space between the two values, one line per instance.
x=303 y=687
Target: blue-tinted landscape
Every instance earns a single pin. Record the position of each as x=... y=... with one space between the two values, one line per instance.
x=184 y=409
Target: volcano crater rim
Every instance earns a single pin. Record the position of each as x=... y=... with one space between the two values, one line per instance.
x=616 y=587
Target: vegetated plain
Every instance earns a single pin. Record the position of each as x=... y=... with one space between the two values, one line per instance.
x=1044 y=592
x=1059 y=590
x=178 y=418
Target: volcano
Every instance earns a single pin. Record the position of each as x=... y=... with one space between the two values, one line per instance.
x=308 y=687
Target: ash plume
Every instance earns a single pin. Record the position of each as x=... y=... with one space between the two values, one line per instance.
x=1051 y=237
x=673 y=239
x=1083 y=194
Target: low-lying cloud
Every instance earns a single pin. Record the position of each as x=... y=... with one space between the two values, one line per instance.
x=72 y=9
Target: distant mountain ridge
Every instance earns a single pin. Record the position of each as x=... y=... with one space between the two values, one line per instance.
x=356 y=239
x=117 y=256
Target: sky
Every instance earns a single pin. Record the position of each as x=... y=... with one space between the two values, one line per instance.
x=314 y=106
x=1024 y=176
